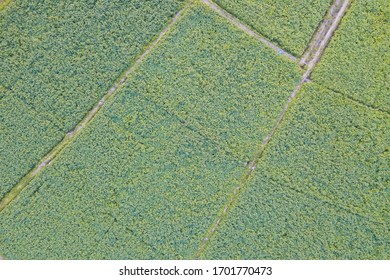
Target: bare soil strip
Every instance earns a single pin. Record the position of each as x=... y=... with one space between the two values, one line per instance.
x=23 y=183
x=246 y=29
x=322 y=43
x=321 y=31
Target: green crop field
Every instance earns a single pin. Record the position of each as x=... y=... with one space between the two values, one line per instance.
x=357 y=62
x=136 y=184
x=228 y=86
x=58 y=59
x=320 y=190
x=288 y=24
x=148 y=176
x=171 y=130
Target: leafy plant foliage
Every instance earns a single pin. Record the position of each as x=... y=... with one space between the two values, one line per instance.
x=289 y=24
x=146 y=179
x=57 y=59
x=357 y=61
x=320 y=191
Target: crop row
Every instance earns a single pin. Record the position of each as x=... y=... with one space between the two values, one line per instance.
x=58 y=59
x=357 y=61
x=145 y=179
x=288 y=24
x=320 y=191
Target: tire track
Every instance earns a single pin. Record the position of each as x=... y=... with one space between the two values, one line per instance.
x=68 y=138
x=320 y=32
x=246 y=29
x=322 y=43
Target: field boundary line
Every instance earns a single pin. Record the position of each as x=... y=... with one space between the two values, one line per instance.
x=350 y=98
x=195 y=128
x=252 y=165
x=327 y=201
x=71 y=135
x=235 y=21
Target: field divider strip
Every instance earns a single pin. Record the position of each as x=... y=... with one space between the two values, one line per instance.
x=341 y=208
x=71 y=135
x=320 y=32
x=195 y=128
x=252 y=165
x=235 y=21
x=350 y=98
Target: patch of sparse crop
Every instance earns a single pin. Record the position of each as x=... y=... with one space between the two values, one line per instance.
x=357 y=61
x=289 y=24
x=320 y=191
x=215 y=78
x=57 y=59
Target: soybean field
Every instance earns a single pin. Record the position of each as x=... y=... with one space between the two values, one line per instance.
x=357 y=63
x=290 y=24
x=57 y=60
x=194 y=129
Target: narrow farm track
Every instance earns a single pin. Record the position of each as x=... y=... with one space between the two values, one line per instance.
x=246 y=29
x=321 y=31
x=321 y=43
x=71 y=135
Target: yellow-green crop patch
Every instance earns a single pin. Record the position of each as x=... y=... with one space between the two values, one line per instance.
x=288 y=24
x=58 y=59
x=357 y=61
x=320 y=191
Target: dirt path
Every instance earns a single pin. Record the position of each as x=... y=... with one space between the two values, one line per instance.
x=320 y=32
x=322 y=42
x=23 y=183
x=246 y=29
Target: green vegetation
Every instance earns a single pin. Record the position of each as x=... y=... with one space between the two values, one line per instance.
x=320 y=191
x=57 y=60
x=289 y=24
x=357 y=61
x=150 y=175
x=218 y=80
x=4 y=3
x=143 y=180
x=135 y=184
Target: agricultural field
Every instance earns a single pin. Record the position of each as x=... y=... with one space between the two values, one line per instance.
x=219 y=81
x=135 y=184
x=172 y=130
x=57 y=60
x=148 y=176
x=320 y=191
x=288 y=24
x=357 y=61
